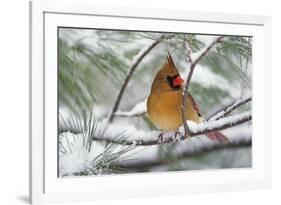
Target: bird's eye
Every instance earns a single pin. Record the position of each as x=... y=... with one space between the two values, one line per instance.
x=169 y=78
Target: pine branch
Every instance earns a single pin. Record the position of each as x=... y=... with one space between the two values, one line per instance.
x=124 y=114
x=185 y=90
x=229 y=108
x=152 y=138
x=135 y=64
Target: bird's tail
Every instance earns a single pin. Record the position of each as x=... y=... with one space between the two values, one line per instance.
x=217 y=136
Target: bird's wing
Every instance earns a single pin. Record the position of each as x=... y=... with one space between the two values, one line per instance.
x=193 y=103
x=215 y=135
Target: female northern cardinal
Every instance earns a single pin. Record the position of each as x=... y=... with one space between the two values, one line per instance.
x=165 y=100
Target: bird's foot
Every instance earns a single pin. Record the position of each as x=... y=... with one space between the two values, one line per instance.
x=176 y=137
x=161 y=138
x=168 y=137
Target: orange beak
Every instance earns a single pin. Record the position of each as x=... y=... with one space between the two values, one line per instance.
x=177 y=81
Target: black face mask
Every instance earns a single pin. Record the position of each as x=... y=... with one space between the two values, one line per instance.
x=170 y=80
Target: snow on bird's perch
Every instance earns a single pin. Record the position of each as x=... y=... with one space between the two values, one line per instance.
x=132 y=136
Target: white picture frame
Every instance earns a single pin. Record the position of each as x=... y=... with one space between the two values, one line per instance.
x=46 y=187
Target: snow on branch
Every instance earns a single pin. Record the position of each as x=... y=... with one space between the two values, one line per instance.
x=139 y=57
x=194 y=62
x=131 y=136
x=229 y=108
x=138 y=110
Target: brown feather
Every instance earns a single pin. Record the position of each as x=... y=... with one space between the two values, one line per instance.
x=164 y=110
x=194 y=104
x=164 y=103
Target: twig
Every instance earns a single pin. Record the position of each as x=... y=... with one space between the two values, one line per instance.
x=188 y=49
x=185 y=90
x=127 y=115
x=129 y=75
x=203 y=128
x=229 y=108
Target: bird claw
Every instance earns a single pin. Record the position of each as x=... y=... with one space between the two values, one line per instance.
x=176 y=137
x=173 y=136
x=160 y=138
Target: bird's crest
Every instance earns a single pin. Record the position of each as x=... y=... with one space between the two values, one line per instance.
x=169 y=67
x=170 y=60
x=161 y=80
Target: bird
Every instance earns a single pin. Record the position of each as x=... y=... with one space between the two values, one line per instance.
x=165 y=101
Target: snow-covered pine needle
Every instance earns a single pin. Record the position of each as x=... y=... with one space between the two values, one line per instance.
x=80 y=154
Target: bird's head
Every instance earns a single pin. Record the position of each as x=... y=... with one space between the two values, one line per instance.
x=168 y=77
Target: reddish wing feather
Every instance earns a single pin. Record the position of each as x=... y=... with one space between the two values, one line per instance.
x=217 y=136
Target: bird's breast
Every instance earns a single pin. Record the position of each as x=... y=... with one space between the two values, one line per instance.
x=164 y=110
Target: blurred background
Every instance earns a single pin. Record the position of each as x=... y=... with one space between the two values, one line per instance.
x=92 y=67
